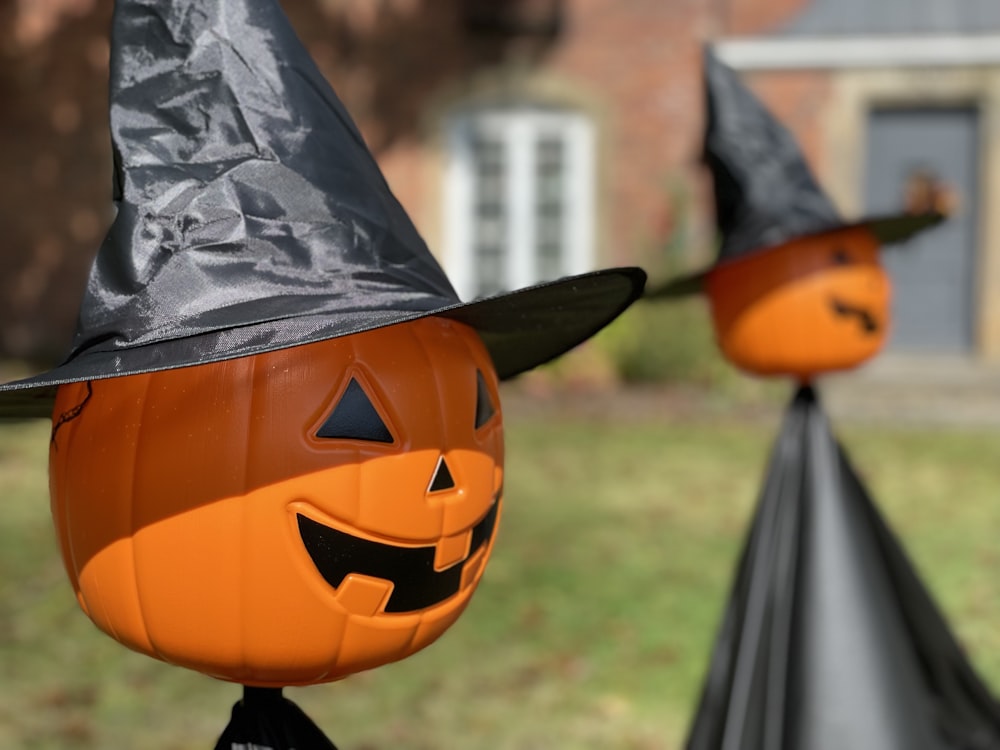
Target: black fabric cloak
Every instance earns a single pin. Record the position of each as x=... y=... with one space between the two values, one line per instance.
x=266 y=720
x=830 y=641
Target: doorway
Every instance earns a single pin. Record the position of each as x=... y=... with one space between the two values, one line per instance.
x=912 y=152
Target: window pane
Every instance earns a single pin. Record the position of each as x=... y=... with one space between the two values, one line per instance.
x=550 y=214
x=489 y=224
x=520 y=192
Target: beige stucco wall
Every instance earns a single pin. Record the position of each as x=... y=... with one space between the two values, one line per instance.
x=855 y=92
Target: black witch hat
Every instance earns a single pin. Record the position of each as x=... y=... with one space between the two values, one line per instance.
x=252 y=217
x=765 y=194
x=830 y=640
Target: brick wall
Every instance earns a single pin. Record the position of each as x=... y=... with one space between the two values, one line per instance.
x=636 y=61
x=55 y=160
x=798 y=100
x=749 y=17
x=644 y=57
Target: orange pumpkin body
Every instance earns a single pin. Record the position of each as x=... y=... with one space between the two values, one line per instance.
x=204 y=512
x=813 y=305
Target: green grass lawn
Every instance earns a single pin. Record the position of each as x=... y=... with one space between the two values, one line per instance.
x=591 y=628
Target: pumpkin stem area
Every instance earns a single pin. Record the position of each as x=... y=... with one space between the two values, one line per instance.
x=265 y=719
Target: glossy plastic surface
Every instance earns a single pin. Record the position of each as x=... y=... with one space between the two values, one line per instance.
x=813 y=305
x=179 y=498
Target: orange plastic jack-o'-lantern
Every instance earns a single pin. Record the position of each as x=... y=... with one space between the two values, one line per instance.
x=816 y=304
x=287 y=518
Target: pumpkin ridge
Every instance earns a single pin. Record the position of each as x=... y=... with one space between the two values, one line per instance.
x=216 y=586
x=147 y=382
x=252 y=401
x=418 y=332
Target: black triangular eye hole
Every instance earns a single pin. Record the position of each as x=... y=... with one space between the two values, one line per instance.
x=484 y=406
x=841 y=257
x=443 y=479
x=355 y=418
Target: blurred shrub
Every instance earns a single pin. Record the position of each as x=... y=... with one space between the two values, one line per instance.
x=665 y=342
x=662 y=342
x=668 y=341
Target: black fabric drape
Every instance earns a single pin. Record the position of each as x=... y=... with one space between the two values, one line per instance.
x=266 y=720
x=830 y=640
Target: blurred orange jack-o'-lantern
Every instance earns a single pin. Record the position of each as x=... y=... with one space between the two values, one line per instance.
x=815 y=304
x=287 y=518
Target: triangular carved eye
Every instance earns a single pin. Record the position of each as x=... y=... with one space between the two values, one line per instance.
x=484 y=406
x=443 y=479
x=355 y=418
x=841 y=257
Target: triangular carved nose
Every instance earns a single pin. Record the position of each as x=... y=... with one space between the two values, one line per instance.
x=442 y=477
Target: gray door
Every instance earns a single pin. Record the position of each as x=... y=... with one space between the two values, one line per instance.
x=932 y=274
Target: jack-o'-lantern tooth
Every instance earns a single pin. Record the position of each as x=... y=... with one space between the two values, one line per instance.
x=362 y=595
x=452 y=549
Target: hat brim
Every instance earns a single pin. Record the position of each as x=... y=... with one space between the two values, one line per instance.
x=520 y=329
x=888 y=230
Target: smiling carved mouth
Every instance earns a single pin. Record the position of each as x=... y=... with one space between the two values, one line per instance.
x=865 y=318
x=416 y=584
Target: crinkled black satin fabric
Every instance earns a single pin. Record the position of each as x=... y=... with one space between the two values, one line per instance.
x=265 y=720
x=252 y=217
x=830 y=640
x=764 y=191
x=520 y=330
x=247 y=193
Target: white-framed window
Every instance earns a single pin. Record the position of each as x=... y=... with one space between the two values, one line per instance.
x=519 y=198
